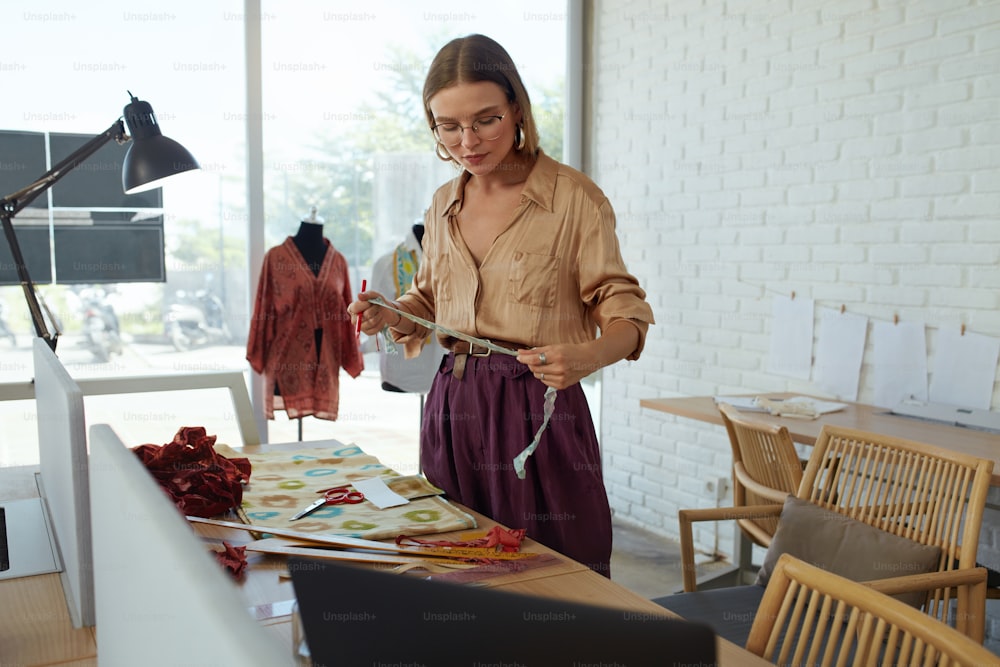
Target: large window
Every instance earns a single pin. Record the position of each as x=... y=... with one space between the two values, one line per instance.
x=344 y=128
x=343 y=133
x=68 y=68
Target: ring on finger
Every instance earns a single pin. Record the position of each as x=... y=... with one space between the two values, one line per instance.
x=542 y=359
x=542 y=377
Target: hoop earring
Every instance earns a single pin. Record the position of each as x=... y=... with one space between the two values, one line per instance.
x=437 y=151
x=518 y=138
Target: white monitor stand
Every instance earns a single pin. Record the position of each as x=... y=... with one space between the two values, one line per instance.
x=51 y=533
x=29 y=547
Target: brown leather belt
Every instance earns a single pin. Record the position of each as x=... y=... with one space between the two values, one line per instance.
x=463 y=349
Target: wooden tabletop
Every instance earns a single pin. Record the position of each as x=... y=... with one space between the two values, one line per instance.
x=35 y=627
x=857 y=416
x=566 y=580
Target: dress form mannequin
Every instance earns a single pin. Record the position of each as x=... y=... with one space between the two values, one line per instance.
x=309 y=241
x=418 y=234
x=392 y=274
x=311 y=244
x=300 y=339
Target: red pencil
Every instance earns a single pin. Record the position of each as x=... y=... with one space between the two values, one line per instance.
x=364 y=286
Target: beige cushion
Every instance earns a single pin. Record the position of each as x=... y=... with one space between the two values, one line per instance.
x=847 y=547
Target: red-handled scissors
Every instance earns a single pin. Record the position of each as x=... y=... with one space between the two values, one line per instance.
x=338 y=495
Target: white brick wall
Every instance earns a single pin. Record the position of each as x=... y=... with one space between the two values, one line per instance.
x=845 y=150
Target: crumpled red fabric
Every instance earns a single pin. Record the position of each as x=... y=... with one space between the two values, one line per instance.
x=198 y=480
x=234 y=559
x=498 y=539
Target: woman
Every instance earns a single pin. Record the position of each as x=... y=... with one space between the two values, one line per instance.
x=519 y=250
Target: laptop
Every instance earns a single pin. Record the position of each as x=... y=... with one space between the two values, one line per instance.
x=984 y=420
x=353 y=615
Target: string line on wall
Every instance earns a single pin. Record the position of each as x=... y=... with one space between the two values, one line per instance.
x=843 y=307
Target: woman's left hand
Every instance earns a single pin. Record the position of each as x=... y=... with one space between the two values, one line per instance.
x=560 y=366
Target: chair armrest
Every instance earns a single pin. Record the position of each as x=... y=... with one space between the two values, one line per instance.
x=765 y=492
x=687 y=517
x=969 y=585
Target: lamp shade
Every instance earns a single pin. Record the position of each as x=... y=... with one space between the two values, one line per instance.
x=151 y=156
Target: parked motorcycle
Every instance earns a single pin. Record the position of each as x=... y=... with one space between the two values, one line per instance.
x=198 y=319
x=101 y=333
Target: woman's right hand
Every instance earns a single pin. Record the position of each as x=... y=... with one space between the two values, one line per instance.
x=373 y=317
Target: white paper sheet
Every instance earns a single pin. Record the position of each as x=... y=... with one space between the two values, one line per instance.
x=378 y=493
x=840 y=348
x=964 y=369
x=899 y=362
x=790 y=352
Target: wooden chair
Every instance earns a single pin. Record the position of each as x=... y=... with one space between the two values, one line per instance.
x=809 y=616
x=921 y=493
x=766 y=468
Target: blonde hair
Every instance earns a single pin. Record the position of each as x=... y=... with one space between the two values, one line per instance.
x=478 y=58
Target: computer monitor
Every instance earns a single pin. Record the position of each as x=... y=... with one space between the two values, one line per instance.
x=161 y=597
x=357 y=616
x=62 y=462
x=51 y=533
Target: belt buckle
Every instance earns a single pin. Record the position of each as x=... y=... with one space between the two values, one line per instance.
x=472 y=350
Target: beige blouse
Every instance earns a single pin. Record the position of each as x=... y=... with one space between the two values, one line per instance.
x=555 y=275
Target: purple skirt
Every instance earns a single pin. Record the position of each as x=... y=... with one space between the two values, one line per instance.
x=474 y=427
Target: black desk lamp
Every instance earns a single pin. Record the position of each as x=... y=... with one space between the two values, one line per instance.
x=151 y=158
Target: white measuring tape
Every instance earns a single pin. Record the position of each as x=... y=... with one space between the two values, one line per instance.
x=550 y=392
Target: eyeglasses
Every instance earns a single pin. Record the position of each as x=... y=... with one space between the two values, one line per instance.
x=486 y=128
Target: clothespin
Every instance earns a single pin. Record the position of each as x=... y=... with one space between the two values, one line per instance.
x=963 y=329
x=793 y=295
x=895 y=318
x=842 y=308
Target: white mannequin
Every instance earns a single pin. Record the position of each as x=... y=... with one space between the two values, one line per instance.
x=398 y=373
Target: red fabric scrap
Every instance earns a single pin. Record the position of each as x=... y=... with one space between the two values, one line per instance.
x=199 y=481
x=498 y=539
x=233 y=559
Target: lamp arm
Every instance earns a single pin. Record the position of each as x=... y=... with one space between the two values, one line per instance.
x=14 y=202
x=26 y=285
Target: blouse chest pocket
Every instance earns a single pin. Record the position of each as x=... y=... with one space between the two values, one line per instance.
x=533 y=279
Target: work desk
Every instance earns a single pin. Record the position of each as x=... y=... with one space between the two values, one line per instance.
x=857 y=416
x=35 y=627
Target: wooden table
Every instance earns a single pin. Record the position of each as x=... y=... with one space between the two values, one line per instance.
x=857 y=416
x=805 y=431
x=35 y=627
